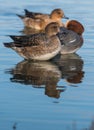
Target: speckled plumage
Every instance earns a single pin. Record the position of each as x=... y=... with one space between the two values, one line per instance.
x=41 y=46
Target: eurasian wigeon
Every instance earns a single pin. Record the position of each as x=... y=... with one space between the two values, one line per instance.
x=39 y=21
x=70 y=40
x=41 y=46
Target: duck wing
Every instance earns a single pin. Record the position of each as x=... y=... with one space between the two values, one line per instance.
x=33 y=14
x=29 y=40
x=67 y=37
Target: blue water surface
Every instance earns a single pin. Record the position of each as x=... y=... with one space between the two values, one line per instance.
x=46 y=96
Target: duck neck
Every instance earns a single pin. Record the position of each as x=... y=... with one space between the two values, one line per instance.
x=55 y=18
x=48 y=34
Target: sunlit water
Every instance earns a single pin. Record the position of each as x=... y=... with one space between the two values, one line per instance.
x=52 y=95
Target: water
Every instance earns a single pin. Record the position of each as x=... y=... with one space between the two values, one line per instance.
x=55 y=94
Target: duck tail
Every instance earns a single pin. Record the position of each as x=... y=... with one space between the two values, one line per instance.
x=14 y=38
x=13 y=44
x=9 y=45
x=29 y=14
x=20 y=16
x=26 y=11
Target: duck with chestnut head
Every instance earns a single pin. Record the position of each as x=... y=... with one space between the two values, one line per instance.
x=71 y=37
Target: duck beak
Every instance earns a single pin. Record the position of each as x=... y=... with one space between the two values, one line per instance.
x=65 y=17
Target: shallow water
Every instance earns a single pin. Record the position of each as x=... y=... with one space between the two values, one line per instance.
x=56 y=94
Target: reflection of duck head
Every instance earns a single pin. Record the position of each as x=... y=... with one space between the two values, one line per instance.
x=38 y=74
x=71 y=67
x=76 y=78
x=52 y=90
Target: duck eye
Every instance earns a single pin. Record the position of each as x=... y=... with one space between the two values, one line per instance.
x=59 y=12
x=54 y=27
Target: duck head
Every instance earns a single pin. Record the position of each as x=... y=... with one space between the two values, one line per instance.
x=52 y=29
x=75 y=26
x=58 y=14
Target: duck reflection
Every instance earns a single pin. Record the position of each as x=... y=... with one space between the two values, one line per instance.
x=38 y=74
x=48 y=74
x=71 y=67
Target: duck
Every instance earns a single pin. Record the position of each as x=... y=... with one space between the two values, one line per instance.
x=40 y=46
x=71 y=37
x=70 y=40
x=54 y=14
x=39 y=21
